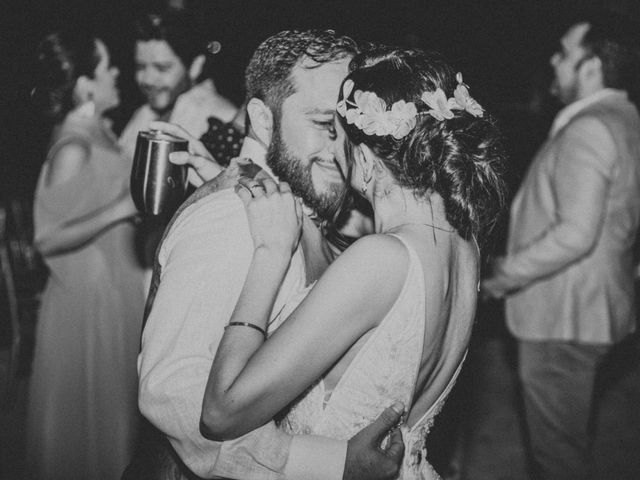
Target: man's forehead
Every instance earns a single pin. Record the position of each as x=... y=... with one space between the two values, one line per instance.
x=318 y=87
x=158 y=50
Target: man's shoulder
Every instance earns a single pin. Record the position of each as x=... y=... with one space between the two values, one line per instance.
x=613 y=113
x=208 y=205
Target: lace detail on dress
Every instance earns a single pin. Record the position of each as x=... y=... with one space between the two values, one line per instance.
x=415 y=465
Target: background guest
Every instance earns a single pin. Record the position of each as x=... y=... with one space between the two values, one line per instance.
x=82 y=412
x=568 y=273
x=169 y=61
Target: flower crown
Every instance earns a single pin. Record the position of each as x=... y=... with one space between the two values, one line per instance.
x=369 y=112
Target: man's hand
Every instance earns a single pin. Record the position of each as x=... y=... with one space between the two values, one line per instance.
x=492 y=289
x=366 y=458
x=198 y=157
x=496 y=286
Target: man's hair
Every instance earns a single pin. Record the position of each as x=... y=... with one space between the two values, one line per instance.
x=615 y=41
x=268 y=75
x=177 y=28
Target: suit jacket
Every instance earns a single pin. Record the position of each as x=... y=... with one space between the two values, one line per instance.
x=573 y=227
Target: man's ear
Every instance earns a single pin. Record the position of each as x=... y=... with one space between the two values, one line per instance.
x=196 y=67
x=591 y=71
x=83 y=90
x=260 y=120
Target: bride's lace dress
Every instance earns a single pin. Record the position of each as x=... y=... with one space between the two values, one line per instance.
x=383 y=371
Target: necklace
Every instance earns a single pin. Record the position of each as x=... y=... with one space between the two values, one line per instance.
x=447 y=230
x=433 y=229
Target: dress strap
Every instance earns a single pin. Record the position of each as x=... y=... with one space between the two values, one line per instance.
x=432 y=410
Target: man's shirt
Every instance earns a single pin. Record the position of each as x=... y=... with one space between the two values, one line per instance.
x=205 y=258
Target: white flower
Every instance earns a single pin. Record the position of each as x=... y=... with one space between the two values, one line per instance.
x=466 y=101
x=463 y=101
x=403 y=116
x=438 y=104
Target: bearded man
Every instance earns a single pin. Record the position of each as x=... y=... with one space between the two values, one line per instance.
x=292 y=84
x=568 y=276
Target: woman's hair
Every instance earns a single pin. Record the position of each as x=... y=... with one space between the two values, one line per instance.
x=61 y=59
x=461 y=158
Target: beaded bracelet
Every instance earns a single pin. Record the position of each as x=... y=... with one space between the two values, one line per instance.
x=247 y=324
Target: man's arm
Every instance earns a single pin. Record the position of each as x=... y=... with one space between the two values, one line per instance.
x=203 y=260
x=580 y=184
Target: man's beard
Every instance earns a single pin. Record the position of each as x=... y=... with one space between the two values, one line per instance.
x=565 y=95
x=292 y=170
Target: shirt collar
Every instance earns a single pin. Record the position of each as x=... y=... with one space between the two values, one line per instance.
x=567 y=113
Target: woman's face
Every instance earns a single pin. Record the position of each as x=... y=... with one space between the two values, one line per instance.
x=105 y=92
x=340 y=147
x=344 y=158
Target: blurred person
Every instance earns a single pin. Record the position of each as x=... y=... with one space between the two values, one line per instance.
x=568 y=272
x=391 y=318
x=169 y=62
x=82 y=411
x=292 y=84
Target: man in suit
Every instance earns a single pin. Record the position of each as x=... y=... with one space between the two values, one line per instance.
x=568 y=272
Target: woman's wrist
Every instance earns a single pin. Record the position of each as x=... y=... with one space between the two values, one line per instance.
x=273 y=257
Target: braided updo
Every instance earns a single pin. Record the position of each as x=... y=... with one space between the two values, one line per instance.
x=461 y=158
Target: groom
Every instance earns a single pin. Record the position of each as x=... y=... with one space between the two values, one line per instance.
x=292 y=84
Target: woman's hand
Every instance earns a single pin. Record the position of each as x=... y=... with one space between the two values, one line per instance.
x=198 y=157
x=275 y=215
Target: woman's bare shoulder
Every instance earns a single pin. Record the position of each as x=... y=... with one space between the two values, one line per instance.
x=66 y=160
x=376 y=256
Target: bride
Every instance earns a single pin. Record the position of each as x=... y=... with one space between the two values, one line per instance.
x=390 y=320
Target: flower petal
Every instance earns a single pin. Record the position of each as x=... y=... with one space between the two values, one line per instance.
x=352 y=115
x=341 y=108
x=347 y=87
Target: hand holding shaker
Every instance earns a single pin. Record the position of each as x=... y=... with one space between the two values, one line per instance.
x=157 y=185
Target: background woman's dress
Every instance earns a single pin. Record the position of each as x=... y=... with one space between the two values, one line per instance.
x=82 y=415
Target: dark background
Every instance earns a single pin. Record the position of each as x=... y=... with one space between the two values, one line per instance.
x=501 y=46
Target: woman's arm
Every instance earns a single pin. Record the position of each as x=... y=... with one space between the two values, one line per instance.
x=251 y=380
x=66 y=236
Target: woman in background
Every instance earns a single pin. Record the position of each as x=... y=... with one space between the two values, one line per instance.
x=82 y=413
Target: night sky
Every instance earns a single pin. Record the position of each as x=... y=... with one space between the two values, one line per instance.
x=501 y=46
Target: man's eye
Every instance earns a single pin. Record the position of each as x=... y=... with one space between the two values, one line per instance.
x=328 y=125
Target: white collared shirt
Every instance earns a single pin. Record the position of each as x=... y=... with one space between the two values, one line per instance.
x=205 y=258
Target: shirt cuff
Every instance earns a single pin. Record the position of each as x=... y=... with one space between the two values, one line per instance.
x=312 y=457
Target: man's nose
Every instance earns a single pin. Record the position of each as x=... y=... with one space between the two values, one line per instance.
x=145 y=76
x=554 y=59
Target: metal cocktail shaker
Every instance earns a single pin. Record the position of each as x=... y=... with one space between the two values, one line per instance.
x=157 y=185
